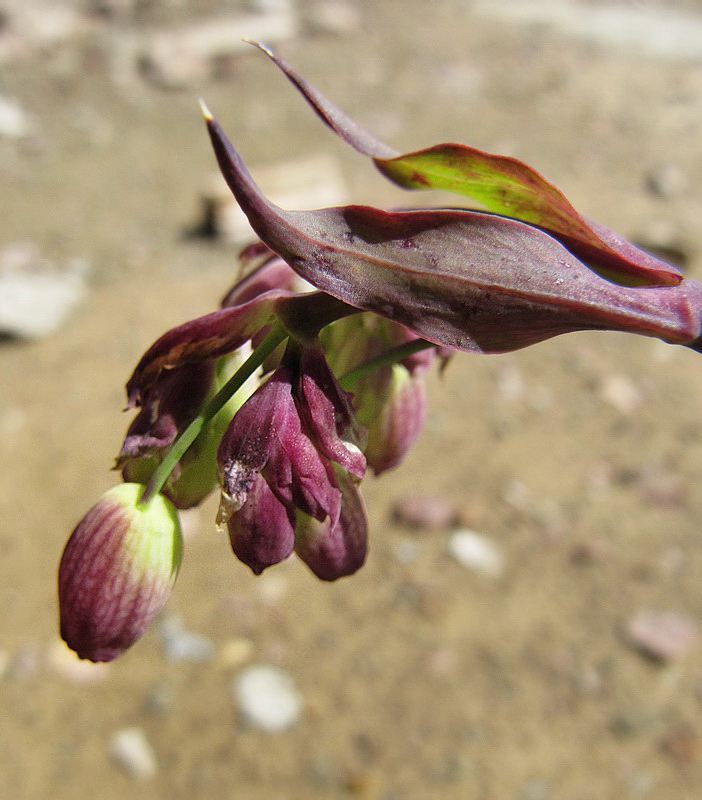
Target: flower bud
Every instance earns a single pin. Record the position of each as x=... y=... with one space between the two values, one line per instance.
x=262 y=531
x=332 y=549
x=398 y=422
x=117 y=571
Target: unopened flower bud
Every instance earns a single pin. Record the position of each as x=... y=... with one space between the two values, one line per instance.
x=398 y=420
x=117 y=571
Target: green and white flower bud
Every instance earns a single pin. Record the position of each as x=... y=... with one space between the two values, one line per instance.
x=117 y=571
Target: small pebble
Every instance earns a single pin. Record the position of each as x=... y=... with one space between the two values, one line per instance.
x=620 y=393
x=267 y=698
x=666 y=181
x=180 y=644
x=476 y=552
x=681 y=744
x=14 y=121
x=235 y=652
x=35 y=297
x=406 y=551
x=663 y=636
x=130 y=749
x=425 y=511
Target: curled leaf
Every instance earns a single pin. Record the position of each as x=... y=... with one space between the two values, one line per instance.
x=502 y=185
x=457 y=278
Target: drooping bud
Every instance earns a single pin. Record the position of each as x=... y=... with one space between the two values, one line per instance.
x=117 y=571
x=334 y=550
x=389 y=401
x=262 y=531
x=399 y=421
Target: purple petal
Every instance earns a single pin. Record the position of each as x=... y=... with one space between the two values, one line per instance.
x=249 y=440
x=296 y=471
x=261 y=532
x=168 y=404
x=328 y=413
x=333 y=551
x=266 y=437
x=272 y=273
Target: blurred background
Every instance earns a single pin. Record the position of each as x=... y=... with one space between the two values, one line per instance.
x=527 y=623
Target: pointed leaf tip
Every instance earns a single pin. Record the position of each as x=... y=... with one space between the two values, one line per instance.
x=206 y=113
x=260 y=45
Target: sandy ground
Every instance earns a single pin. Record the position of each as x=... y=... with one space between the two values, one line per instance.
x=581 y=458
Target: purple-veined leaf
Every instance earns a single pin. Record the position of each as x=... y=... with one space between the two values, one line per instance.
x=460 y=279
x=503 y=185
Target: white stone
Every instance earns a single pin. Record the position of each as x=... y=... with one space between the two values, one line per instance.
x=14 y=121
x=130 y=749
x=267 y=698
x=620 y=393
x=476 y=552
x=36 y=298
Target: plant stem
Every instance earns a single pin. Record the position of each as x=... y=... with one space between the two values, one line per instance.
x=275 y=336
x=385 y=359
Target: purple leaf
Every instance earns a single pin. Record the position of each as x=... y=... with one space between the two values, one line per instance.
x=503 y=185
x=460 y=279
x=224 y=331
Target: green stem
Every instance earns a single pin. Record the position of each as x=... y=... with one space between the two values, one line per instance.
x=276 y=335
x=389 y=357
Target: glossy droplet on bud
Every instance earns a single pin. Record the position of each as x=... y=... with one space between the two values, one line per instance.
x=117 y=571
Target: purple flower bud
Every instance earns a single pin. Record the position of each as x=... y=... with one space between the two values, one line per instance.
x=262 y=532
x=117 y=571
x=266 y=437
x=332 y=551
x=285 y=464
x=328 y=414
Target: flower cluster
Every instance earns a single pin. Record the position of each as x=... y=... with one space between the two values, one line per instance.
x=311 y=371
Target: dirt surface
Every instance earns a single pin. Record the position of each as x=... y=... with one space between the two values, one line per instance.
x=580 y=459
